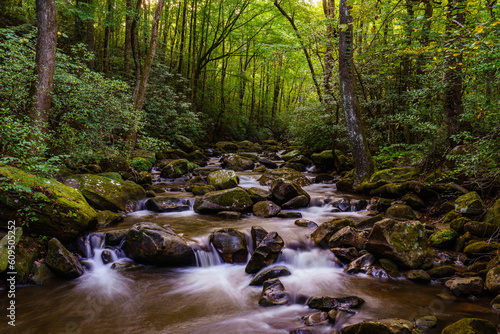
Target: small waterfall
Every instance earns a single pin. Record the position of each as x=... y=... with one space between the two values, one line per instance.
x=141 y=204
x=205 y=253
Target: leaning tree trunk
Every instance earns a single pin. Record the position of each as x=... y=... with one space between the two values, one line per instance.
x=41 y=88
x=363 y=161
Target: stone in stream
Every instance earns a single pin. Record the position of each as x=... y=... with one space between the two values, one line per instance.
x=469 y=204
x=268 y=163
x=106 y=256
x=205 y=171
x=200 y=190
x=230 y=244
x=295 y=165
x=345 y=255
x=315 y=319
x=238 y=162
x=348 y=237
x=302 y=331
x=330 y=303
x=443 y=238
x=266 y=253
x=167 y=204
x=493 y=280
x=324 y=232
x=418 y=276
x=106 y=218
x=361 y=264
x=41 y=272
x=223 y=179
x=401 y=211
x=289 y=214
x=301 y=201
x=61 y=261
x=384 y=326
x=258 y=234
x=284 y=173
x=426 y=322
x=175 y=169
x=235 y=199
x=266 y=209
x=183 y=143
x=470 y=326
x=266 y=274
x=465 y=285
x=273 y=293
x=148 y=243
x=305 y=223
x=259 y=194
x=229 y=214
x=283 y=191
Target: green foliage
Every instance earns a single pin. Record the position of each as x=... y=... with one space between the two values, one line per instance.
x=141 y=164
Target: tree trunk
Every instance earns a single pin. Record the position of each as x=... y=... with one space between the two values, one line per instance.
x=363 y=161
x=107 y=35
x=128 y=36
x=135 y=46
x=183 y=32
x=45 y=60
x=329 y=10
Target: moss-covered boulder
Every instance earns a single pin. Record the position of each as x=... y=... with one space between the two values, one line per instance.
x=480 y=248
x=284 y=191
x=106 y=194
x=107 y=218
x=9 y=242
x=226 y=146
x=61 y=261
x=401 y=211
x=114 y=163
x=167 y=204
x=469 y=204
x=183 y=143
x=223 y=179
x=234 y=199
x=290 y=155
x=110 y=175
x=458 y=224
x=465 y=285
x=141 y=164
x=283 y=173
x=171 y=154
x=470 y=326
x=149 y=243
x=144 y=178
x=27 y=252
x=41 y=272
x=175 y=169
x=61 y=211
x=200 y=190
x=230 y=244
x=259 y=194
x=384 y=326
x=397 y=174
x=493 y=280
x=396 y=190
x=443 y=238
x=238 y=162
x=326 y=230
x=493 y=214
x=266 y=209
x=480 y=229
x=414 y=201
x=348 y=237
x=404 y=243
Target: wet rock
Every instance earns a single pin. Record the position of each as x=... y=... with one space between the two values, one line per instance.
x=171 y=154
x=205 y=171
x=465 y=285
x=167 y=204
x=443 y=238
x=358 y=205
x=305 y=223
x=61 y=261
x=325 y=231
x=223 y=179
x=480 y=248
x=258 y=194
x=295 y=165
x=400 y=211
x=348 y=236
x=426 y=322
x=330 y=303
x=289 y=214
x=323 y=178
x=301 y=201
x=260 y=169
x=41 y=272
x=384 y=326
x=302 y=331
x=258 y=234
x=266 y=209
x=315 y=319
x=480 y=229
x=266 y=253
x=442 y=271
x=235 y=199
x=183 y=143
x=144 y=178
x=4 y=247
x=283 y=191
x=268 y=163
x=418 y=275
x=230 y=244
x=149 y=243
x=106 y=256
x=413 y=201
x=284 y=173
x=390 y=267
x=346 y=255
x=369 y=222
x=229 y=214
x=458 y=224
x=493 y=280
x=175 y=169
x=396 y=190
x=470 y=326
x=469 y=204
x=402 y=242
x=125 y=266
x=273 y=293
x=379 y=204
x=226 y=146
x=114 y=238
x=238 y=162
x=361 y=264
x=200 y=190
x=266 y=274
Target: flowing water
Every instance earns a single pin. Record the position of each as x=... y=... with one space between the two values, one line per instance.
x=215 y=297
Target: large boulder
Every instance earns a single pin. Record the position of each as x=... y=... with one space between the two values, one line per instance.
x=61 y=261
x=325 y=303
x=400 y=211
x=238 y=162
x=348 y=236
x=465 y=285
x=266 y=209
x=384 y=326
x=259 y=194
x=284 y=191
x=61 y=211
x=230 y=244
x=493 y=214
x=148 y=243
x=141 y=164
x=227 y=146
x=266 y=253
x=470 y=326
x=205 y=171
x=106 y=194
x=273 y=293
x=223 y=179
x=443 y=238
x=325 y=231
x=403 y=242
x=284 y=173
x=167 y=204
x=175 y=169
x=469 y=204
x=184 y=143
x=493 y=280
x=234 y=199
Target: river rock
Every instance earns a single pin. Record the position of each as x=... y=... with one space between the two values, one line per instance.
x=315 y=319
x=171 y=154
x=390 y=267
x=402 y=242
x=61 y=211
x=273 y=293
x=115 y=237
x=266 y=274
x=305 y=223
x=200 y=190
x=361 y=264
x=183 y=143
x=41 y=272
x=229 y=214
x=458 y=224
x=493 y=280
x=384 y=326
x=295 y=165
x=230 y=244
x=331 y=303
x=301 y=201
x=258 y=234
x=205 y=171
x=479 y=248
x=259 y=194
x=396 y=190
x=226 y=146
x=480 y=229
x=61 y=261
x=369 y=222
x=107 y=218
x=5 y=245
x=470 y=326
x=469 y=204
x=148 y=243
x=302 y=331
x=266 y=209
x=465 y=285
x=175 y=169
x=107 y=194
x=442 y=271
x=268 y=163
x=443 y=238
x=287 y=174
x=266 y=253
x=290 y=155
x=325 y=161
x=167 y=204
x=223 y=179
x=283 y=191
x=237 y=162
x=346 y=255
x=234 y=199
x=400 y=211
x=426 y=322
x=144 y=178
x=418 y=275
x=348 y=236
x=141 y=164
x=325 y=231
x=289 y=215
x=493 y=214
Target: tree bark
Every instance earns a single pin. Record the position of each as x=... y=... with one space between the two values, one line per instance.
x=128 y=36
x=45 y=60
x=183 y=32
x=329 y=10
x=363 y=161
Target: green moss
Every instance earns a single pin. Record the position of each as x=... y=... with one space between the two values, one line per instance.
x=141 y=164
x=470 y=326
x=112 y=175
x=493 y=214
x=450 y=216
x=4 y=248
x=469 y=203
x=400 y=174
x=223 y=179
x=481 y=247
x=443 y=238
x=284 y=173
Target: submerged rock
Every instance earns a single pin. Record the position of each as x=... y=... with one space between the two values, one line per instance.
x=230 y=244
x=266 y=274
x=426 y=322
x=273 y=293
x=61 y=261
x=266 y=253
x=470 y=326
x=235 y=199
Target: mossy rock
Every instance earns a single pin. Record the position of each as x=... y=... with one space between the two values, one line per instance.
x=141 y=164
x=175 y=169
x=493 y=214
x=284 y=191
x=469 y=204
x=470 y=326
x=114 y=164
x=234 y=199
x=290 y=155
x=171 y=154
x=184 y=143
x=27 y=252
x=414 y=201
x=227 y=146
x=61 y=261
x=401 y=211
x=106 y=194
x=493 y=280
x=458 y=224
x=384 y=326
x=61 y=211
x=107 y=218
x=200 y=190
x=259 y=194
x=326 y=230
x=266 y=209
x=443 y=238
x=111 y=175
x=283 y=173
x=223 y=179
x=41 y=272
x=480 y=248
x=4 y=247
x=238 y=162
x=450 y=216
x=396 y=190
x=397 y=174
x=481 y=229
